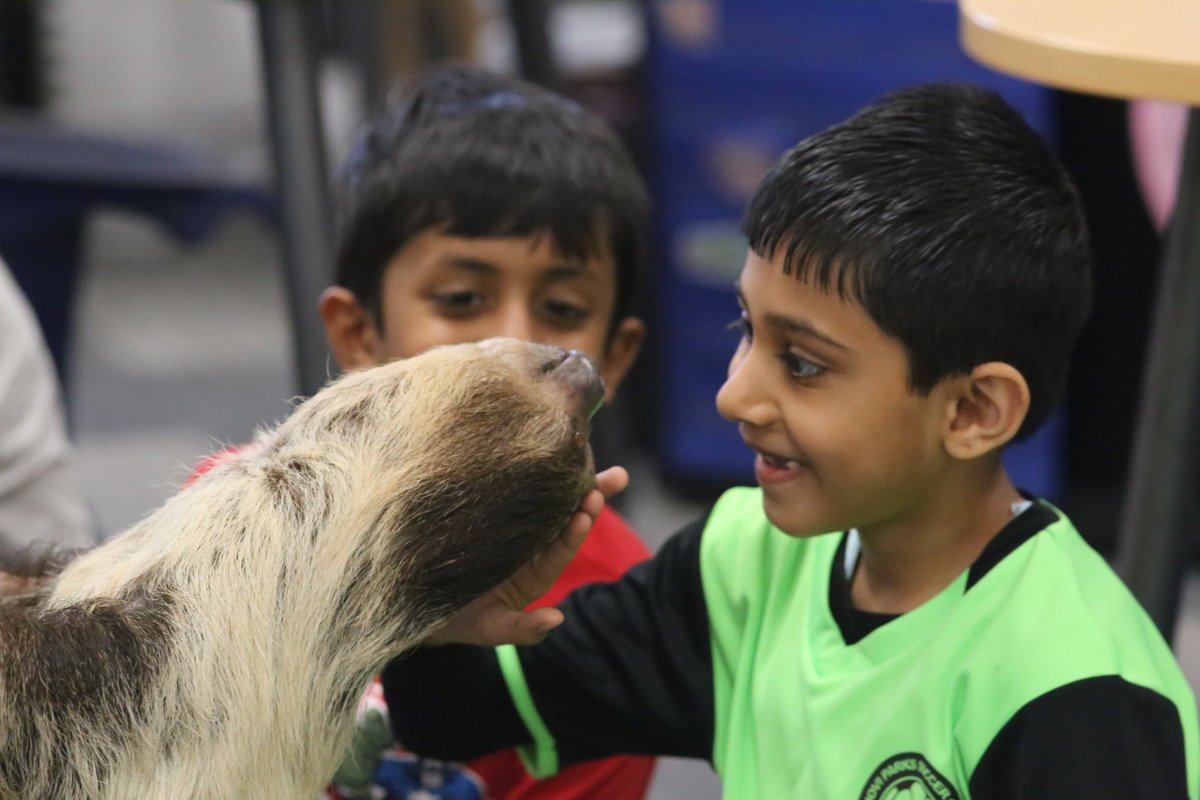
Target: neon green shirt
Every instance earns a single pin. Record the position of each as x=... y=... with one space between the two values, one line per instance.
x=799 y=713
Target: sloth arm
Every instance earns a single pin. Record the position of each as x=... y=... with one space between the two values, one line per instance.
x=628 y=671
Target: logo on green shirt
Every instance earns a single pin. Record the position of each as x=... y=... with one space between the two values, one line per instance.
x=907 y=776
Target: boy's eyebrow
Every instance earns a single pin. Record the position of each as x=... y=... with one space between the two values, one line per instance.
x=566 y=269
x=793 y=325
x=472 y=265
x=800 y=326
x=573 y=269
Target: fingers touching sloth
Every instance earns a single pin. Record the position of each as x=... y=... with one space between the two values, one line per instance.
x=217 y=648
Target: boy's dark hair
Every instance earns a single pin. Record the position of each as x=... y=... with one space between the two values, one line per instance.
x=941 y=212
x=476 y=154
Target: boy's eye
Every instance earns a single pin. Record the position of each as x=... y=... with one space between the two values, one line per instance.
x=742 y=326
x=458 y=302
x=565 y=312
x=798 y=366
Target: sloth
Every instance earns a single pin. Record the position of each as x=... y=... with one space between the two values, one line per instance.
x=218 y=648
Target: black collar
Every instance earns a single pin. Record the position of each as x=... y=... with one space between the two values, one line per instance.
x=856 y=624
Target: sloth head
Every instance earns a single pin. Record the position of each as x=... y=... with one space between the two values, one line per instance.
x=444 y=472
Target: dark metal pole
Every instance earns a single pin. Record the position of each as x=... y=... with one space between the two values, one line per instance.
x=287 y=29
x=530 y=21
x=1158 y=519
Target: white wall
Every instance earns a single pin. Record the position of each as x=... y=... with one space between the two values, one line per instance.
x=186 y=68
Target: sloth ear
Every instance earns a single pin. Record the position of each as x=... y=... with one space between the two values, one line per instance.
x=353 y=336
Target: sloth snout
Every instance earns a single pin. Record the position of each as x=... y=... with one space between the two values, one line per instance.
x=552 y=362
x=578 y=375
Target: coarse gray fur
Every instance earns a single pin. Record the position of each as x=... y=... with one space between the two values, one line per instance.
x=217 y=648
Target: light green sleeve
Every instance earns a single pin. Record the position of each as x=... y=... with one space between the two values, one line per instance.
x=541 y=756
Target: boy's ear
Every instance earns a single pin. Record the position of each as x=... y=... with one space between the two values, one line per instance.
x=989 y=407
x=353 y=336
x=619 y=355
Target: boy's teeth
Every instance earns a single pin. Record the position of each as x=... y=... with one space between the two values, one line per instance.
x=781 y=463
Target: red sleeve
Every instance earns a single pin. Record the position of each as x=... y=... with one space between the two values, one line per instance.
x=609 y=550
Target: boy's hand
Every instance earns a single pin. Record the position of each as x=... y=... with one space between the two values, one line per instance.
x=499 y=617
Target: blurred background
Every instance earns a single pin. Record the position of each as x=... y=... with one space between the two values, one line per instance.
x=140 y=142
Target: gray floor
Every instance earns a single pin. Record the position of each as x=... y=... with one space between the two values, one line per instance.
x=180 y=350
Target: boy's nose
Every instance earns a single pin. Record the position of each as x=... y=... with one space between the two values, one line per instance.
x=515 y=321
x=740 y=398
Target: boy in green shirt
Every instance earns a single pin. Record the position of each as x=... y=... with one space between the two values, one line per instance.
x=887 y=615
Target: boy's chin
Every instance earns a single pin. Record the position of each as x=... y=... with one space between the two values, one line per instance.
x=798 y=526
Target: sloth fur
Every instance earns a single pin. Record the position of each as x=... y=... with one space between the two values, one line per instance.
x=217 y=649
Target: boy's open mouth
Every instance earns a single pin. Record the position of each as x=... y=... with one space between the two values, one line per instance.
x=772 y=469
x=778 y=462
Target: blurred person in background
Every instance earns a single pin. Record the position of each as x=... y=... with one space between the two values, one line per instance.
x=41 y=500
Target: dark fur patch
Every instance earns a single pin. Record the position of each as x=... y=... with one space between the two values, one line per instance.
x=350 y=421
x=34 y=560
x=464 y=534
x=86 y=668
x=291 y=484
x=284 y=481
x=357 y=573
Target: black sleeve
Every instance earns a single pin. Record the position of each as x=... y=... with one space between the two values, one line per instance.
x=628 y=671
x=451 y=703
x=1101 y=738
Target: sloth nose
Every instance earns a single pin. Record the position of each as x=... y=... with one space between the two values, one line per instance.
x=579 y=374
x=559 y=356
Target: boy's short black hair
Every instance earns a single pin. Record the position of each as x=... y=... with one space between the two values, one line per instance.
x=941 y=212
x=476 y=154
